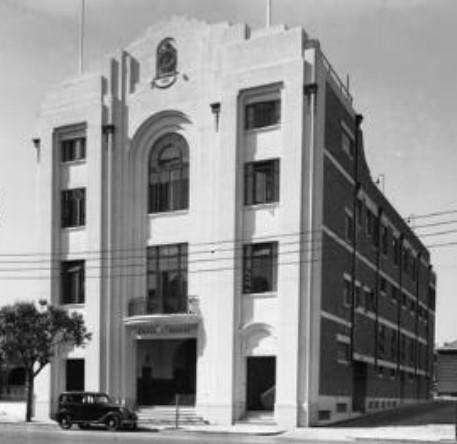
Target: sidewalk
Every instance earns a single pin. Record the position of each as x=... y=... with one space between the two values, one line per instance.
x=429 y=432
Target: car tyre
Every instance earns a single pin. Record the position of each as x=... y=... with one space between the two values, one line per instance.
x=65 y=421
x=113 y=423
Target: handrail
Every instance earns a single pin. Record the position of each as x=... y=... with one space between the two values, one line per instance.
x=333 y=74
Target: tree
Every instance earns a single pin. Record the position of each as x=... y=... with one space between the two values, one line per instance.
x=30 y=336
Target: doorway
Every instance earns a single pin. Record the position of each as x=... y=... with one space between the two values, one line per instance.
x=74 y=373
x=359 y=386
x=261 y=380
x=166 y=368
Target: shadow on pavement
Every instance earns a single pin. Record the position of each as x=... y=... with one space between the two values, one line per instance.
x=434 y=412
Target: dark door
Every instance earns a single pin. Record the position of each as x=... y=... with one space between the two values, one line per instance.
x=359 y=389
x=75 y=375
x=261 y=380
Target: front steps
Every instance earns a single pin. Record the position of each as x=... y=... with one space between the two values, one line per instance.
x=166 y=415
x=258 y=417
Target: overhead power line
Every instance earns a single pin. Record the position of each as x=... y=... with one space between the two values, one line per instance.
x=427 y=215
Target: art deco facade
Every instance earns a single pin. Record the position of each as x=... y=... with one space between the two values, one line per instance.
x=206 y=205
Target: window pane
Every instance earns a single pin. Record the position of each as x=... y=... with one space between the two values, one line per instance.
x=261 y=114
x=260 y=265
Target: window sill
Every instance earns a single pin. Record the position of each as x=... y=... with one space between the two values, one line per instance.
x=168 y=213
x=261 y=206
x=262 y=129
x=73 y=306
x=265 y=294
x=74 y=228
x=340 y=361
x=73 y=162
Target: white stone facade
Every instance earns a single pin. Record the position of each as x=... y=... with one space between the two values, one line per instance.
x=123 y=110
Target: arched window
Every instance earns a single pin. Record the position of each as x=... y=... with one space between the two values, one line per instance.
x=166 y=58
x=169 y=174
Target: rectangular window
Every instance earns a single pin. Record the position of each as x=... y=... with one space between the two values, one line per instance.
x=370 y=222
x=349 y=226
x=381 y=339
x=414 y=268
x=369 y=300
x=347 y=143
x=385 y=240
x=394 y=294
x=343 y=352
x=262 y=114
x=359 y=210
x=261 y=182
x=260 y=267
x=393 y=344
x=73 y=210
x=406 y=258
x=167 y=279
x=404 y=300
x=396 y=250
x=347 y=292
x=358 y=296
x=383 y=286
x=73 y=149
x=72 y=277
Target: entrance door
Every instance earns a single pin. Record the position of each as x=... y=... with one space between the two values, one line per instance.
x=166 y=368
x=359 y=388
x=261 y=380
x=74 y=374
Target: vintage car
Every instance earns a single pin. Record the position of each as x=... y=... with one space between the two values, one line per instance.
x=93 y=408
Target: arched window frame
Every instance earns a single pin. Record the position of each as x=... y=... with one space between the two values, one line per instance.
x=166 y=58
x=169 y=181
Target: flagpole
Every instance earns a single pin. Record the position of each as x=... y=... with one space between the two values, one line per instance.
x=268 y=14
x=81 y=38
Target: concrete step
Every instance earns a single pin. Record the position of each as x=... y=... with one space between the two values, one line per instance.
x=258 y=417
x=166 y=415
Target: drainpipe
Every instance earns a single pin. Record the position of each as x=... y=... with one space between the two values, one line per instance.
x=399 y=309
x=376 y=289
x=108 y=132
x=357 y=188
x=416 y=319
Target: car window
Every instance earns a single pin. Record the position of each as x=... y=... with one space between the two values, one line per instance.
x=88 y=399
x=102 y=399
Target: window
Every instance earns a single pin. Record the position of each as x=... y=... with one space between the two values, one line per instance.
x=166 y=58
x=394 y=294
x=381 y=339
x=347 y=292
x=169 y=174
x=343 y=352
x=370 y=222
x=74 y=374
x=167 y=279
x=406 y=258
x=359 y=211
x=385 y=240
x=358 y=297
x=383 y=286
x=404 y=300
x=414 y=268
x=380 y=372
x=74 y=207
x=349 y=226
x=369 y=300
x=73 y=149
x=260 y=267
x=347 y=143
x=261 y=181
x=341 y=407
x=261 y=114
x=393 y=344
x=396 y=250
x=72 y=275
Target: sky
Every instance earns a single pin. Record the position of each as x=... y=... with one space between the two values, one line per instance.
x=399 y=54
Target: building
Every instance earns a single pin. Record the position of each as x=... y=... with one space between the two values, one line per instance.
x=206 y=204
x=446 y=369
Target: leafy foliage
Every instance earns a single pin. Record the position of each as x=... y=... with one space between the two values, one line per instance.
x=30 y=335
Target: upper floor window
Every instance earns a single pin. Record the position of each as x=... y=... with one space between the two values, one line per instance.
x=72 y=277
x=260 y=267
x=169 y=174
x=261 y=181
x=261 y=114
x=385 y=239
x=73 y=207
x=73 y=149
x=349 y=226
x=167 y=279
x=347 y=292
x=347 y=143
x=166 y=58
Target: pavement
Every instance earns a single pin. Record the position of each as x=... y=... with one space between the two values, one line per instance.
x=430 y=422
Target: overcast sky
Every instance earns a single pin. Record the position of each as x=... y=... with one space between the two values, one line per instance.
x=400 y=55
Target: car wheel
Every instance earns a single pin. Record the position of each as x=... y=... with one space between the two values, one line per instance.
x=113 y=423
x=65 y=421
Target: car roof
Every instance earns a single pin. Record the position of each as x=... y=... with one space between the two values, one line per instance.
x=76 y=392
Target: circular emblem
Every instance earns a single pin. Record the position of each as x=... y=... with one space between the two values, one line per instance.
x=166 y=63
